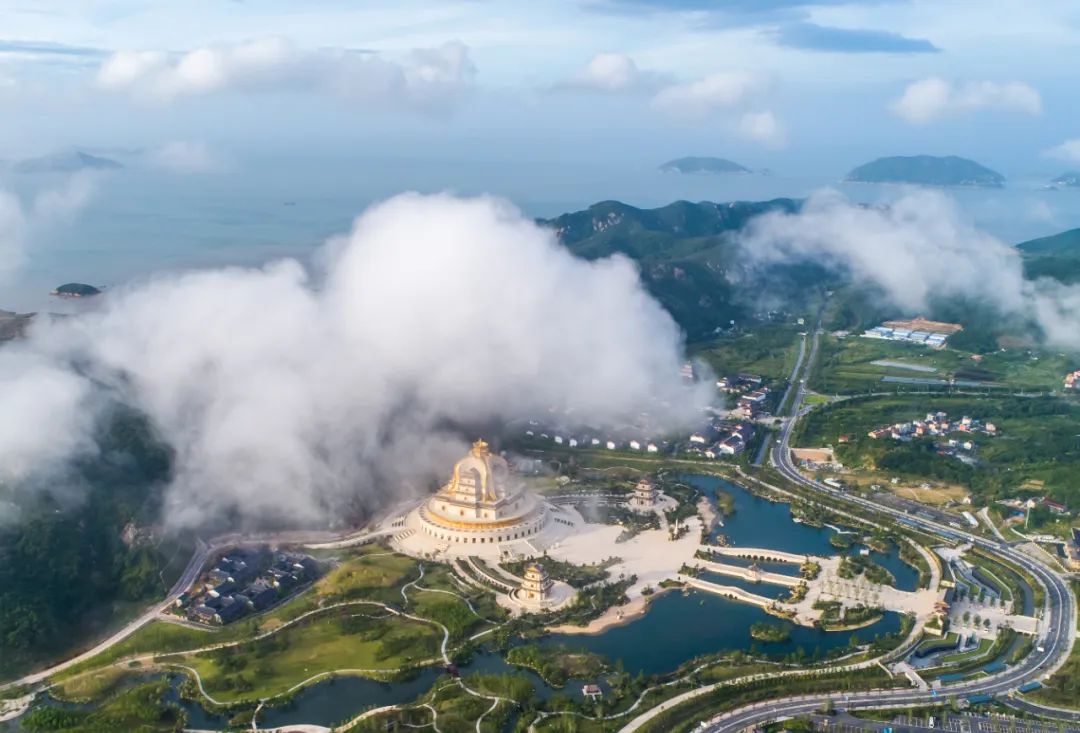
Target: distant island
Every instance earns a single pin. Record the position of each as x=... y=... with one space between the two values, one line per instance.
x=66 y=162
x=76 y=290
x=703 y=164
x=927 y=170
x=1069 y=179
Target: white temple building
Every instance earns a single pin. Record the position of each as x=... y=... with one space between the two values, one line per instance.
x=485 y=511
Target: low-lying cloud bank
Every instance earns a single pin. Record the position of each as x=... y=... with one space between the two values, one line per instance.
x=285 y=394
x=917 y=248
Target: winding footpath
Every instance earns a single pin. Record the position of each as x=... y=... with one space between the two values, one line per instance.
x=163 y=659
x=203 y=552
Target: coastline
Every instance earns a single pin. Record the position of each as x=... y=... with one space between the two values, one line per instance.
x=614 y=616
x=852 y=627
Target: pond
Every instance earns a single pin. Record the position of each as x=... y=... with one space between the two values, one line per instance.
x=680 y=626
x=758 y=522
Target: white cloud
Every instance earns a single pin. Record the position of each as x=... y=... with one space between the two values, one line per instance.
x=892 y=245
x=614 y=72
x=720 y=91
x=764 y=128
x=928 y=99
x=1068 y=151
x=184 y=156
x=21 y=220
x=288 y=397
x=424 y=78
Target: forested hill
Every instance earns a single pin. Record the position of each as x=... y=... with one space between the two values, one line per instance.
x=688 y=256
x=1056 y=256
x=1064 y=243
x=65 y=564
x=612 y=226
x=927 y=170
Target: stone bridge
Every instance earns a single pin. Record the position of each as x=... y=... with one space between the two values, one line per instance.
x=728 y=591
x=754 y=576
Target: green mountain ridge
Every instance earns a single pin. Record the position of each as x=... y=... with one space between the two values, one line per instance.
x=1056 y=256
x=689 y=257
x=928 y=170
x=1062 y=243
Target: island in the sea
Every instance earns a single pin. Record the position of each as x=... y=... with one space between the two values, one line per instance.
x=76 y=290
x=70 y=161
x=927 y=170
x=703 y=164
x=1069 y=179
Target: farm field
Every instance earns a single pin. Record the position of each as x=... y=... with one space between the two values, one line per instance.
x=854 y=364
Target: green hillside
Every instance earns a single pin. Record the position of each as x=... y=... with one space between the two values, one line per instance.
x=1056 y=256
x=688 y=257
x=1063 y=243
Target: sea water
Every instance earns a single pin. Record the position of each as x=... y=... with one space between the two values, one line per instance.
x=140 y=222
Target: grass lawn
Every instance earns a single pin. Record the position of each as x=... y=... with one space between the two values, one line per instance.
x=1063 y=688
x=847 y=366
x=451 y=612
x=438 y=577
x=458 y=710
x=92 y=687
x=981 y=649
x=937 y=496
x=138 y=708
x=372 y=576
x=333 y=642
x=769 y=351
x=367 y=574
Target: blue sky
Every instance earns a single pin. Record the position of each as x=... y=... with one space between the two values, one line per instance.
x=794 y=86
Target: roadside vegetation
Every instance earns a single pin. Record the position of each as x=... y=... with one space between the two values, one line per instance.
x=557 y=664
x=1036 y=442
x=139 y=709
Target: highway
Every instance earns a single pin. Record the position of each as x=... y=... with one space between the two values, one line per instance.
x=1058 y=613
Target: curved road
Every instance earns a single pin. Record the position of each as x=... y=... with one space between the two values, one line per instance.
x=191 y=573
x=1056 y=629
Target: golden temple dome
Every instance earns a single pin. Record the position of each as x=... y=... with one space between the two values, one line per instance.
x=479 y=477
